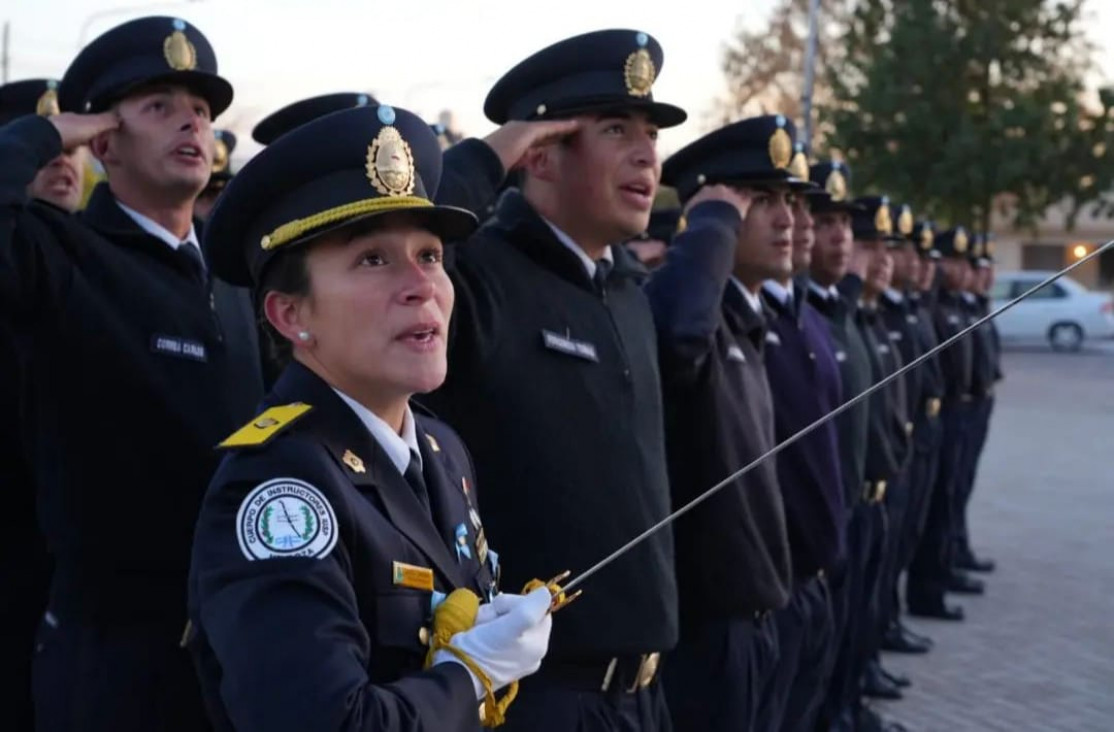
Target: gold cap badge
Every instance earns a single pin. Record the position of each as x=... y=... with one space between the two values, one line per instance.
x=836 y=186
x=905 y=221
x=220 y=156
x=882 y=221
x=960 y=241
x=927 y=238
x=798 y=168
x=47 y=106
x=638 y=71
x=390 y=164
x=177 y=49
x=781 y=147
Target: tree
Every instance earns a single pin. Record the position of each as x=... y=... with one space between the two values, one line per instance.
x=765 y=68
x=957 y=106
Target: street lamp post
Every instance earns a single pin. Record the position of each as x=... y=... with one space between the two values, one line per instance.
x=810 y=68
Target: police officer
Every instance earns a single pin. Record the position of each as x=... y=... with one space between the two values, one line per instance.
x=830 y=259
x=327 y=538
x=930 y=572
x=134 y=374
x=26 y=572
x=907 y=309
x=805 y=384
x=553 y=378
x=988 y=370
x=733 y=567
x=225 y=143
x=890 y=430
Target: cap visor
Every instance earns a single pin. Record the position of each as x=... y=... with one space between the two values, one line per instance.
x=212 y=88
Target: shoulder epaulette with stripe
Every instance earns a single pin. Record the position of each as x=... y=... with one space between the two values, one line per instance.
x=260 y=430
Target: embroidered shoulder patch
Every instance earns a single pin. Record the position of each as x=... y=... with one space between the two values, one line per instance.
x=286 y=517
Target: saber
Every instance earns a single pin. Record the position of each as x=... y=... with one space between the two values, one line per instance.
x=817 y=424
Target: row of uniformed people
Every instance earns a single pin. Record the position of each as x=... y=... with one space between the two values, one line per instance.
x=872 y=274
x=553 y=380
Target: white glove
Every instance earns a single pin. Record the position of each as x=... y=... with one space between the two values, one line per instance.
x=508 y=641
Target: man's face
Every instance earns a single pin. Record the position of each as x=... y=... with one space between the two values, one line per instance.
x=61 y=181
x=606 y=175
x=832 y=251
x=927 y=279
x=765 y=247
x=907 y=265
x=879 y=267
x=804 y=234
x=164 y=145
x=955 y=272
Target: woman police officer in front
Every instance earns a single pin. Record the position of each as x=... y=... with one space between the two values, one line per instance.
x=340 y=519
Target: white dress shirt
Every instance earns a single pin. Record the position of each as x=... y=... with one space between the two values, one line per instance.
x=588 y=262
x=398 y=447
x=159 y=232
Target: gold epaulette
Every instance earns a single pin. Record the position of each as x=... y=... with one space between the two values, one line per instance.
x=262 y=428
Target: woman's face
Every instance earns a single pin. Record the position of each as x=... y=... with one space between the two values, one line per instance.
x=377 y=312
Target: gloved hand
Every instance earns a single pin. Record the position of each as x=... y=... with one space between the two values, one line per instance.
x=509 y=639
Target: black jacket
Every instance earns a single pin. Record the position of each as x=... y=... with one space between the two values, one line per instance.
x=555 y=389
x=300 y=618
x=854 y=369
x=135 y=371
x=957 y=360
x=732 y=550
x=805 y=382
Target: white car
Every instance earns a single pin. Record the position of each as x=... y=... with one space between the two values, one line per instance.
x=1064 y=314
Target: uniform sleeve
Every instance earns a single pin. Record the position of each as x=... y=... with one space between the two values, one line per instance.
x=26 y=145
x=686 y=291
x=286 y=631
x=471 y=174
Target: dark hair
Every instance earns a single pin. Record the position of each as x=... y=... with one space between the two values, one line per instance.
x=286 y=273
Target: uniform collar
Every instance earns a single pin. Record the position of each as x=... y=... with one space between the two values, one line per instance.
x=572 y=246
x=783 y=294
x=753 y=300
x=400 y=448
x=157 y=230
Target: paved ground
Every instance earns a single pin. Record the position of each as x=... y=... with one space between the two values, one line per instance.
x=1037 y=652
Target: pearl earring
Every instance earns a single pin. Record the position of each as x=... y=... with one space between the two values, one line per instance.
x=303 y=336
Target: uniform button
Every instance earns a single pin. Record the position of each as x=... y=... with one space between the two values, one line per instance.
x=811 y=356
x=423 y=636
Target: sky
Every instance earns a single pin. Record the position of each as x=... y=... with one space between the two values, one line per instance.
x=422 y=55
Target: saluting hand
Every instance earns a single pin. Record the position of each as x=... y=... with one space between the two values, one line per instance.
x=719 y=192
x=80 y=129
x=511 y=141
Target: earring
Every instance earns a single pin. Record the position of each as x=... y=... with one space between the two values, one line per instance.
x=303 y=336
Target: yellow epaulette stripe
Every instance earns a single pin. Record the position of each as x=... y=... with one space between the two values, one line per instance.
x=262 y=428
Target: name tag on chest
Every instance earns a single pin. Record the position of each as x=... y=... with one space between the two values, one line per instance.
x=569 y=346
x=179 y=348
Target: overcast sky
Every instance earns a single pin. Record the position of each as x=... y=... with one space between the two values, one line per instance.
x=422 y=55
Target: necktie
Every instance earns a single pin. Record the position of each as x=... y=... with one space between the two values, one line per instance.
x=189 y=253
x=603 y=269
x=414 y=477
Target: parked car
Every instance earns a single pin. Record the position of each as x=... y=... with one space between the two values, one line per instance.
x=1063 y=314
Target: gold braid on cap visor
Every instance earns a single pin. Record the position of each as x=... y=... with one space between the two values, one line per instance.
x=299 y=227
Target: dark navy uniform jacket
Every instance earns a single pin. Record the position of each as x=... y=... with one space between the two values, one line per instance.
x=898 y=313
x=804 y=379
x=732 y=551
x=956 y=361
x=890 y=428
x=301 y=617
x=984 y=350
x=554 y=386
x=136 y=368
x=854 y=368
